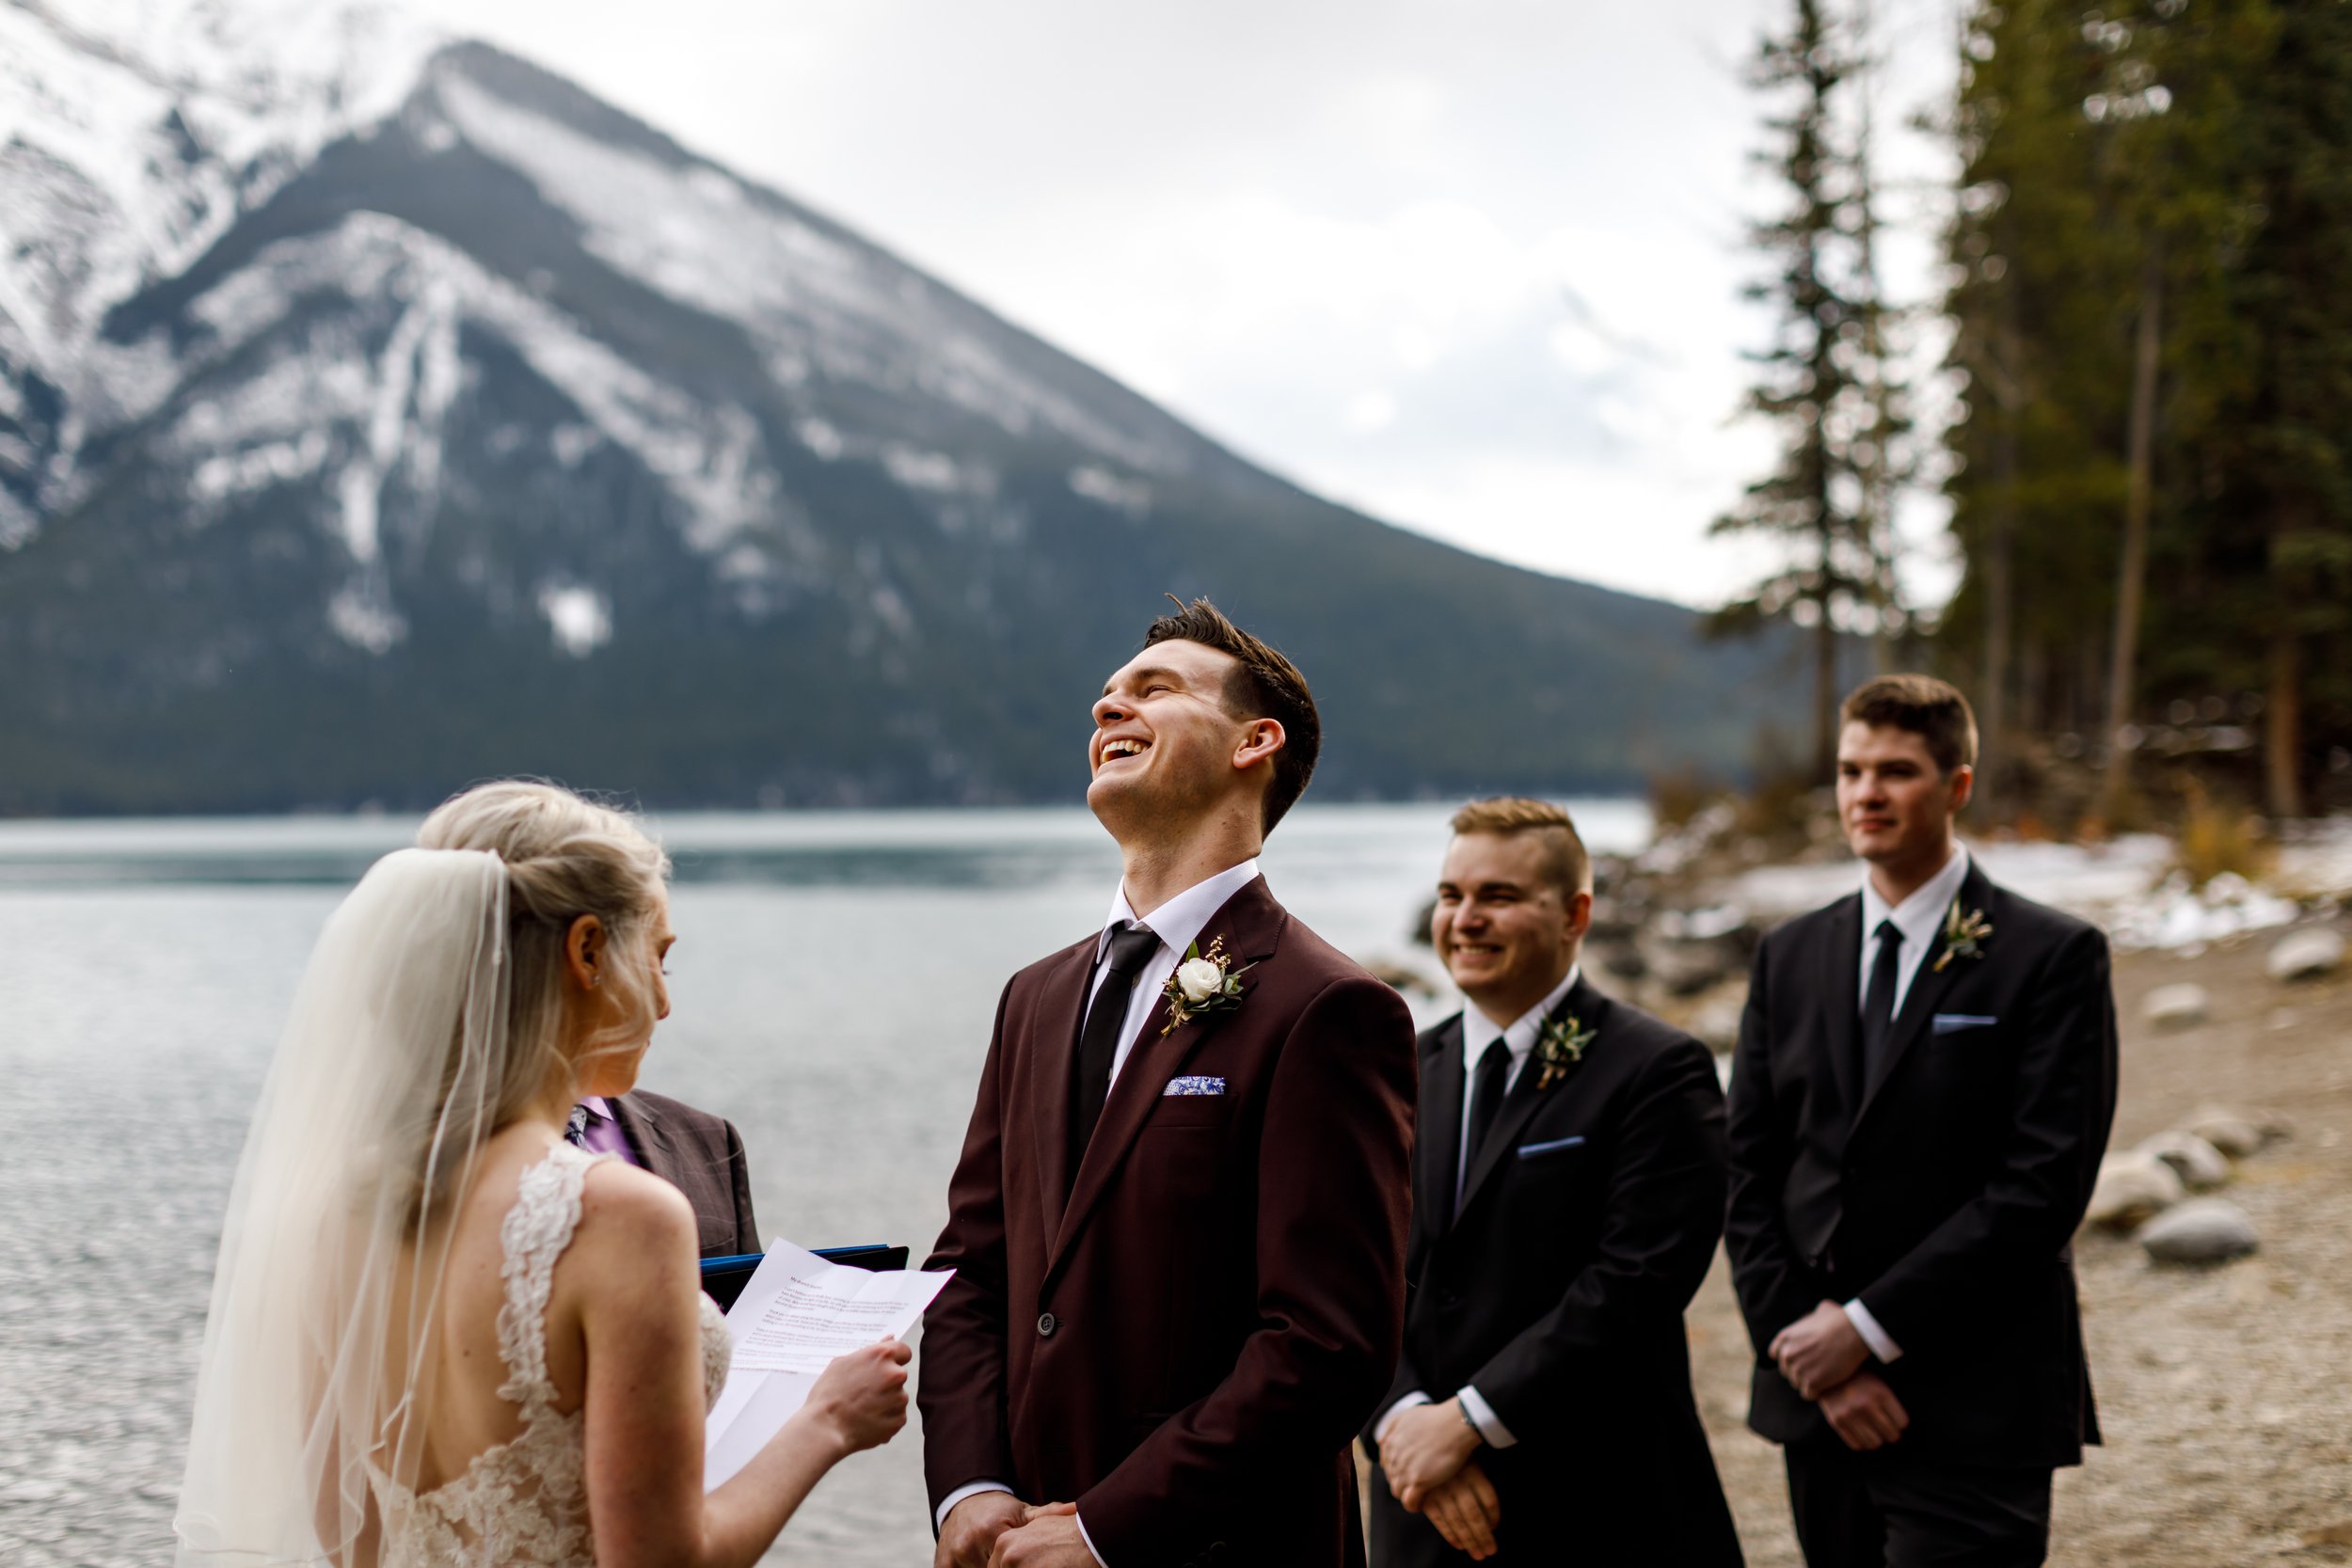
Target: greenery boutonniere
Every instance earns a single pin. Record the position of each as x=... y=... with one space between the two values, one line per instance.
x=1560 y=1047
x=1203 y=983
x=1963 y=936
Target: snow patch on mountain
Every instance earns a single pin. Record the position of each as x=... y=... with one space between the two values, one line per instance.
x=134 y=132
x=697 y=235
x=324 y=406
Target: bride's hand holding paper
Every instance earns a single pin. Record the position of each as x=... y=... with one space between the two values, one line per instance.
x=861 y=1398
x=799 y=1320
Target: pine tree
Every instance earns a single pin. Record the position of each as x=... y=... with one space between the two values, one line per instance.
x=2295 y=429
x=1812 y=382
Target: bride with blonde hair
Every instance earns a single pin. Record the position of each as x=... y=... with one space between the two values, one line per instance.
x=440 y=1334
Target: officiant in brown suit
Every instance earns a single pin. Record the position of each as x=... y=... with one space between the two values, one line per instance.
x=1178 y=1222
x=698 y=1153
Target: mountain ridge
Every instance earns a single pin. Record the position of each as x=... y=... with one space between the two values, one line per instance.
x=507 y=433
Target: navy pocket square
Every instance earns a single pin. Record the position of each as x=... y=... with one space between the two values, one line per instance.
x=1952 y=1024
x=1193 y=1086
x=1529 y=1151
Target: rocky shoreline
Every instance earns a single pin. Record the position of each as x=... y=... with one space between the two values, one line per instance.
x=2218 y=1364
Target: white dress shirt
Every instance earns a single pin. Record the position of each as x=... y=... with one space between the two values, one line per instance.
x=1920 y=919
x=1179 y=922
x=1478 y=1033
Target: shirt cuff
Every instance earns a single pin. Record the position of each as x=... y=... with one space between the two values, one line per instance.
x=1380 y=1430
x=947 y=1504
x=1090 y=1541
x=1483 y=1416
x=1881 y=1343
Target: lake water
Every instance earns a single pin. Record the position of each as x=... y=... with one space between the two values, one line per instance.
x=833 y=986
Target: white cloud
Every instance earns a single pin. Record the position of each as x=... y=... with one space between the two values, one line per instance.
x=1472 y=265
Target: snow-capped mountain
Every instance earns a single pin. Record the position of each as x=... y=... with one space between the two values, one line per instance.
x=377 y=410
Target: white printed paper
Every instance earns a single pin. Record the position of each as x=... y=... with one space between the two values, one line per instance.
x=795 y=1315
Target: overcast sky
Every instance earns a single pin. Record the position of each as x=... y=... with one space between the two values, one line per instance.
x=1470 y=265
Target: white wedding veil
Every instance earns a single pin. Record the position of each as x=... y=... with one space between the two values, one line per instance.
x=386 y=1084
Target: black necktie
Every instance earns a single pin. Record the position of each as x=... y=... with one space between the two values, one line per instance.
x=1878 y=1003
x=1486 y=1103
x=576 y=1127
x=1098 y=1042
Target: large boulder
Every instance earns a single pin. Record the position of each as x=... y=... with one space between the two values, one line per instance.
x=2200 y=1165
x=2131 y=1187
x=2306 y=955
x=2176 y=1006
x=2203 y=1230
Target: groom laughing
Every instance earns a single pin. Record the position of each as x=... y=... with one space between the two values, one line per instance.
x=1178 y=1222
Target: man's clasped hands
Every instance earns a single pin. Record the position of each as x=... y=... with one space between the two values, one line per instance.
x=1825 y=1359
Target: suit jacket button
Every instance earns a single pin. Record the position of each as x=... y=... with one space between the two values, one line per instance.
x=1045 y=1326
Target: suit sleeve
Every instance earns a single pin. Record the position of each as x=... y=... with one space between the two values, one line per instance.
x=740 y=1175
x=2063 y=1102
x=1334 y=1189
x=967 y=1430
x=1662 y=1213
x=1409 y=1378
x=1775 y=1285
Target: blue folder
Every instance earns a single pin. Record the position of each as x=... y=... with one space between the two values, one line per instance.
x=724 y=1278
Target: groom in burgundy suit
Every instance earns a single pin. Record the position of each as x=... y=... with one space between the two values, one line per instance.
x=1178 y=1223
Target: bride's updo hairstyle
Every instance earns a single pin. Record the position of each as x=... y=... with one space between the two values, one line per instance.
x=565 y=857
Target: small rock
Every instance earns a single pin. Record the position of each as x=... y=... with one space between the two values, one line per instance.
x=2131 y=1187
x=2203 y=1230
x=2306 y=955
x=2338 y=1534
x=2236 y=1133
x=2197 y=1163
x=2176 y=1006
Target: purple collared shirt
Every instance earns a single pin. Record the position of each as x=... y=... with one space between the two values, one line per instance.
x=603 y=1136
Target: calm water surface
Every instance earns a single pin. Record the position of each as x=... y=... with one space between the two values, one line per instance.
x=833 y=986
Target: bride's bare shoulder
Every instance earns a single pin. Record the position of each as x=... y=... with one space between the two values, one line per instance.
x=629 y=1213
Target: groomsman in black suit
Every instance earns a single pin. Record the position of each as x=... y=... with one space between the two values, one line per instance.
x=1568 y=1180
x=1924 y=1079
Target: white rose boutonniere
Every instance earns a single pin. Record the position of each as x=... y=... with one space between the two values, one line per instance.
x=1198 y=979
x=1203 y=983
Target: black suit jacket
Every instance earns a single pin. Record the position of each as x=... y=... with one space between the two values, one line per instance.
x=1588 y=1219
x=701 y=1156
x=1946 y=1193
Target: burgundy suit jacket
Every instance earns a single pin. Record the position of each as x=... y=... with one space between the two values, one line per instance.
x=1182 y=1335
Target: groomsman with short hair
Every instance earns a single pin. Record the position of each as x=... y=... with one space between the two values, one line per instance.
x=1568 y=1180
x=1924 y=1079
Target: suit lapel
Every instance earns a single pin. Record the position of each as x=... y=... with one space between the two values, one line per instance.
x=1250 y=921
x=1589 y=1009
x=1059 y=1015
x=646 y=1137
x=1439 y=1124
x=1841 y=993
x=1927 y=989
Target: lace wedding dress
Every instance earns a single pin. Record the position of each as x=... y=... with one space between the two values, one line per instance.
x=523 y=1503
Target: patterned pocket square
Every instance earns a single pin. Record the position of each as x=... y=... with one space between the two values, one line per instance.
x=1952 y=1024
x=1529 y=1151
x=1194 y=1085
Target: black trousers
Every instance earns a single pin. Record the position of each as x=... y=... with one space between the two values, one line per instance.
x=1886 y=1509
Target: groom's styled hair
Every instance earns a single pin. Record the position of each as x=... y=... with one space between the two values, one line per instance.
x=1930 y=708
x=1265 y=685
